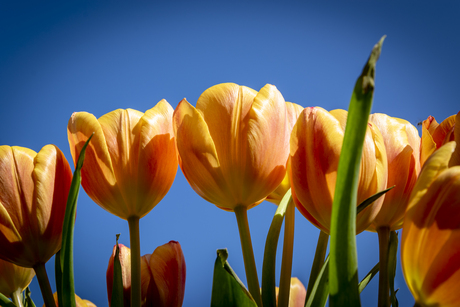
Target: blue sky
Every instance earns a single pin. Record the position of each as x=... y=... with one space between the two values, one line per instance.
x=61 y=57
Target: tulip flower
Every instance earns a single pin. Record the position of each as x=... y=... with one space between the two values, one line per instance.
x=316 y=143
x=78 y=301
x=233 y=151
x=430 y=250
x=435 y=135
x=297 y=293
x=163 y=275
x=33 y=196
x=130 y=164
x=14 y=279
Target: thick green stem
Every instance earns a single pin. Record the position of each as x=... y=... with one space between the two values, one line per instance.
x=384 y=286
x=16 y=296
x=318 y=261
x=248 y=254
x=134 y=241
x=45 y=287
x=288 y=248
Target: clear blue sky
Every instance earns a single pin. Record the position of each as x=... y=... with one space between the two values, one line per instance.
x=61 y=57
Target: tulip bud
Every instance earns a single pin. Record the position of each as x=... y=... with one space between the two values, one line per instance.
x=297 y=293
x=402 y=145
x=234 y=145
x=430 y=250
x=124 y=254
x=316 y=144
x=14 y=278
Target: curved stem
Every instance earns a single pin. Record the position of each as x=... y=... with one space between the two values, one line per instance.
x=248 y=253
x=288 y=248
x=384 y=286
x=318 y=261
x=134 y=241
x=16 y=296
x=45 y=287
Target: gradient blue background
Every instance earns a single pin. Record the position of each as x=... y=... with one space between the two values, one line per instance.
x=58 y=58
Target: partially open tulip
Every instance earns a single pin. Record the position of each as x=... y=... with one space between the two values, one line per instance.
x=316 y=143
x=130 y=162
x=402 y=146
x=297 y=293
x=434 y=135
x=234 y=145
x=13 y=278
x=163 y=276
x=33 y=196
x=292 y=112
x=78 y=302
x=430 y=247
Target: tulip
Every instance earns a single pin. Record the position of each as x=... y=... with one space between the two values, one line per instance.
x=14 y=279
x=430 y=250
x=297 y=293
x=33 y=196
x=130 y=164
x=435 y=135
x=163 y=276
x=78 y=301
x=233 y=150
x=316 y=143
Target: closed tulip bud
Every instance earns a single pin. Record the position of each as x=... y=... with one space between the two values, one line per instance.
x=33 y=196
x=292 y=112
x=297 y=293
x=430 y=249
x=124 y=255
x=14 y=278
x=162 y=274
x=316 y=143
x=234 y=145
x=130 y=162
x=435 y=135
x=402 y=146
x=78 y=302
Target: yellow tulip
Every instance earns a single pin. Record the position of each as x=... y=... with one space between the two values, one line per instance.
x=13 y=278
x=292 y=111
x=402 y=146
x=316 y=143
x=435 y=135
x=233 y=146
x=131 y=161
x=430 y=249
x=33 y=196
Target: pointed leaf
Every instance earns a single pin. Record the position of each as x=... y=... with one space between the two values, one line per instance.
x=371 y=199
x=227 y=288
x=343 y=271
x=367 y=279
x=320 y=290
x=271 y=244
x=27 y=299
x=117 y=286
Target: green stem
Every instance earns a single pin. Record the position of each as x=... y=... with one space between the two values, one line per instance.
x=16 y=296
x=384 y=286
x=248 y=254
x=288 y=247
x=318 y=261
x=45 y=287
x=134 y=241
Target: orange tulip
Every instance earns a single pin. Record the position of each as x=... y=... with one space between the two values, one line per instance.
x=163 y=275
x=435 y=135
x=430 y=249
x=402 y=146
x=78 y=301
x=297 y=293
x=234 y=145
x=131 y=161
x=14 y=278
x=33 y=196
x=292 y=111
x=316 y=143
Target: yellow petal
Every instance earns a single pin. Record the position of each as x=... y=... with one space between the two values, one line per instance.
x=14 y=278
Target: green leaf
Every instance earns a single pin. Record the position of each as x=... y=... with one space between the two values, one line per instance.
x=66 y=259
x=117 y=287
x=392 y=259
x=271 y=244
x=58 y=276
x=28 y=299
x=5 y=302
x=371 y=199
x=343 y=271
x=227 y=288
x=320 y=290
x=367 y=279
